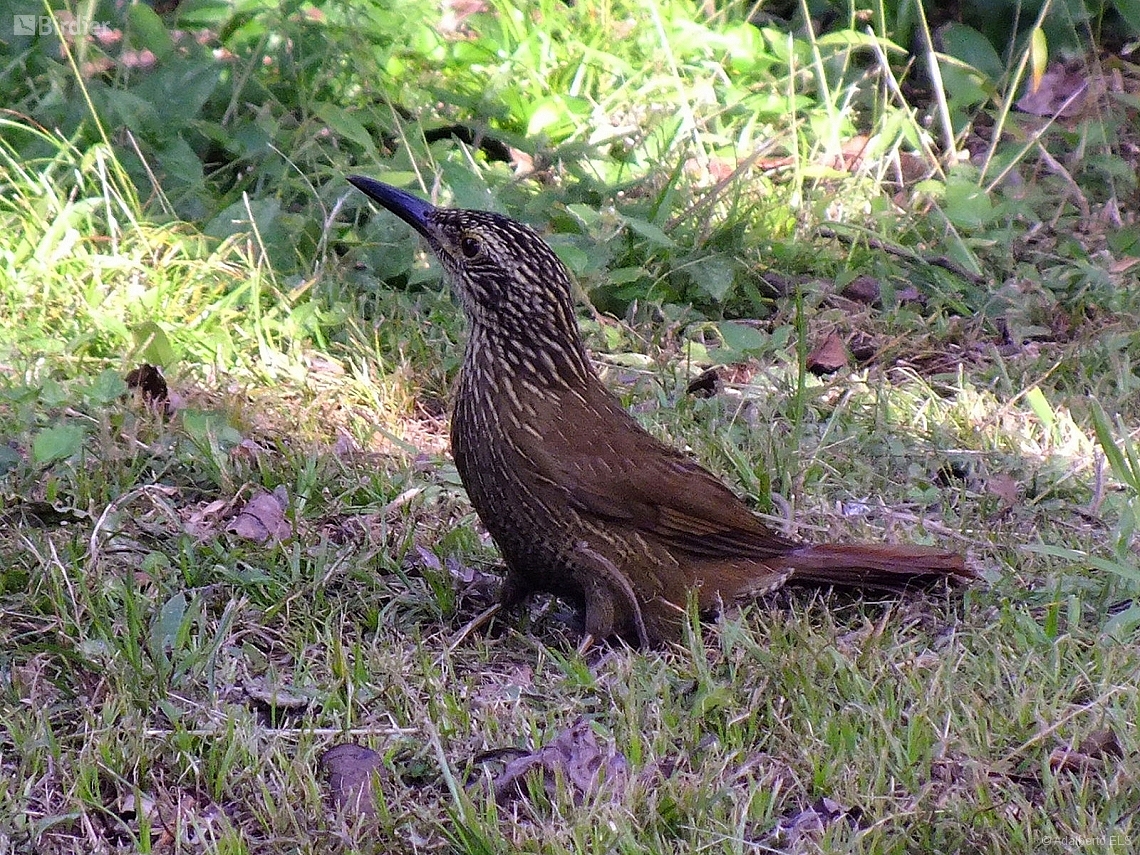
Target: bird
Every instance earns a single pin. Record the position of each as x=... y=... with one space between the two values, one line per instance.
x=581 y=501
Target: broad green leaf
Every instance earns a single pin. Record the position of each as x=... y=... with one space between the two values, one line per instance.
x=58 y=442
x=1129 y=10
x=625 y=275
x=346 y=125
x=573 y=257
x=207 y=429
x=52 y=393
x=973 y=49
x=697 y=353
x=649 y=231
x=741 y=339
x=587 y=215
x=9 y=458
x=181 y=164
x=208 y=14
x=713 y=274
x=108 y=387
x=164 y=631
x=153 y=345
x=1125 y=241
x=235 y=220
x=966 y=205
x=145 y=29
x=546 y=112
x=468 y=189
x=178 y=90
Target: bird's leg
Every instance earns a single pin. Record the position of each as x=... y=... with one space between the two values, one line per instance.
x=516 y=588
x=599 y=596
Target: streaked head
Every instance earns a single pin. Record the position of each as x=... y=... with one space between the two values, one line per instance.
x=502 y=271
x=516 y=294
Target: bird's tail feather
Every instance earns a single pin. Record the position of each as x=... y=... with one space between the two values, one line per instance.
x=883 y=566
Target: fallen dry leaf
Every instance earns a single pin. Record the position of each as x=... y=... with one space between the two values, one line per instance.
x=263 y=517
x=798 y=828
x=828 y=357
x=179 y=819
x=274 y=695
x=909 y=294
x=705 y=384
x=1090 y=755
x=247 y=449
x=150 y=383
x=1062 y=92
x=576 y=756
x=351 y=770
x=862 y=289
x=204 y=522
x=863 y=347
x=1004 y=488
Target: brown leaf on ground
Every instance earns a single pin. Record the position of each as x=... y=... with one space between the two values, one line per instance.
x=828 y=357
x=178 y=819
x=205 y=521
x=1061 y=91
x=1090 y=755
x=31 y=681
x=472 y=582
x=1004 y=488
x=150 y=383
x=575 y=756
x=863 y=347
x=275 y=696
x=263 y=517
x=705 y=384
x=862 y=289
x=352 y=771
x=796 y=832
x=738 y=372
x=345 y=446
x=909 y=294
x=249 y=450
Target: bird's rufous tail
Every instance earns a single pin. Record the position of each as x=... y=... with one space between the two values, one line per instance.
x=884 y=566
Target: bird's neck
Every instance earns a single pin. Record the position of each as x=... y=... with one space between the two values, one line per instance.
x=543 y=360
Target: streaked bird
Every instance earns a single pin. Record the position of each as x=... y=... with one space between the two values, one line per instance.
x=582 y=501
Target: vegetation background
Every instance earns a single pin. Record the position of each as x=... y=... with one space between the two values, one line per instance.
x=904 y=237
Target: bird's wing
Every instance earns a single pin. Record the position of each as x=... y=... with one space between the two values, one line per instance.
x=612 y=469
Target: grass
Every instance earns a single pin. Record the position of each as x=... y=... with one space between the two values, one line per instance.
x=171 y=676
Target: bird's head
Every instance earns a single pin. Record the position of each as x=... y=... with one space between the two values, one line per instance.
x=515 y=292
x=506 y=277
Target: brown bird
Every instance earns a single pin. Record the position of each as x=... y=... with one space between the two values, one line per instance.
x=582 y=502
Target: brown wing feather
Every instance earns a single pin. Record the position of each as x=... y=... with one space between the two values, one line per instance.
x=612 y=469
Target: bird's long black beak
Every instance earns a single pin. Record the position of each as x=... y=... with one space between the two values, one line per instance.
x=407 y=207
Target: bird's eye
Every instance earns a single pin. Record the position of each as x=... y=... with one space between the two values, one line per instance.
x=469 y=246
